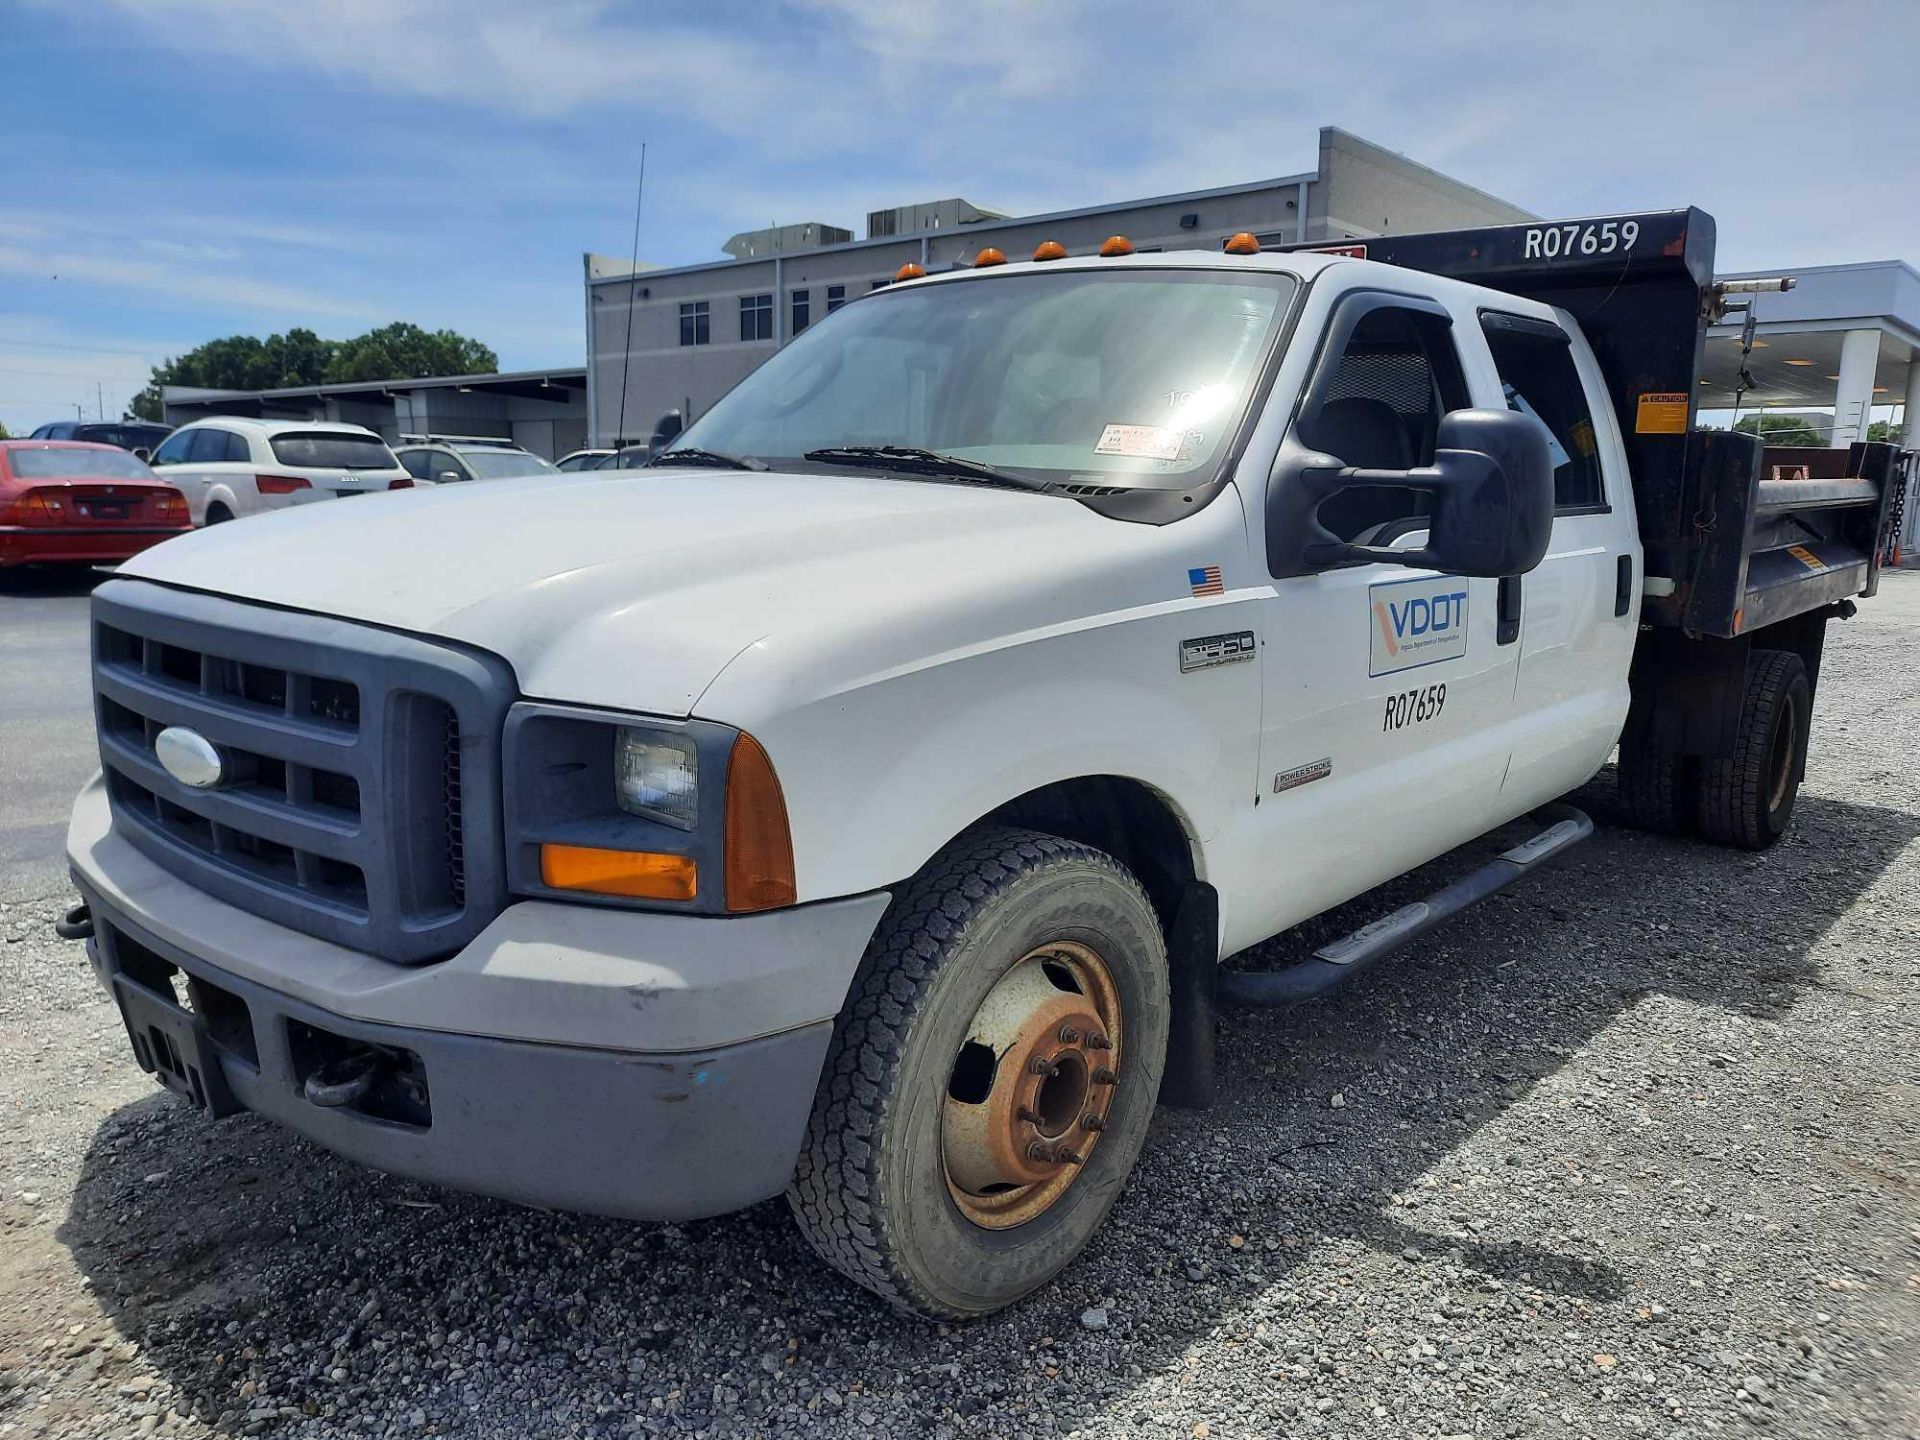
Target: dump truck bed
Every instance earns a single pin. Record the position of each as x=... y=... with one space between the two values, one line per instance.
x=1736 y=535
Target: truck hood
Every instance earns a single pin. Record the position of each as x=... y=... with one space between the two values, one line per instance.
x=635 y=591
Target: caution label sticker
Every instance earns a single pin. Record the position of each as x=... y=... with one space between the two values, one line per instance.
x=1661 y=412
x=1806 y=557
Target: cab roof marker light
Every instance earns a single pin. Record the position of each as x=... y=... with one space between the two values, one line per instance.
x=1243 y=243
x=1115 y=245
x=1049 y=250
x=988 y=256
x=909 y=271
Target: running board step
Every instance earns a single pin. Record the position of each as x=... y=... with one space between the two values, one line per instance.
x=1344 y=958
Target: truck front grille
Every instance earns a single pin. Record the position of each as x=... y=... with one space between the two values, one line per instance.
x=358 y=766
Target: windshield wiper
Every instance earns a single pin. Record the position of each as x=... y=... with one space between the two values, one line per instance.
x=718 y=460
x=912 y=460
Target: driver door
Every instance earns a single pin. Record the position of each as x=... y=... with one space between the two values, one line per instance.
x=1388 y=691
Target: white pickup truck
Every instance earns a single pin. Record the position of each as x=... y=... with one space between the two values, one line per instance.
x=858 y=803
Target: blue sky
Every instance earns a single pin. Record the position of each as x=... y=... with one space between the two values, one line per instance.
x=173 y=170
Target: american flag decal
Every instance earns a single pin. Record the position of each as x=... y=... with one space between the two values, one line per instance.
x=1207 y=581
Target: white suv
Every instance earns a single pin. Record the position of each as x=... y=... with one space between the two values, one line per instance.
x=228 y=467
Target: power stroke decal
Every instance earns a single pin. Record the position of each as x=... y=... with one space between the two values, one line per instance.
x=1416 y=622
x=1302 y=775
x=1210 y=650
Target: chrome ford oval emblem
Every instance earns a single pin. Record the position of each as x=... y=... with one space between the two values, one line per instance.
x=188 y=756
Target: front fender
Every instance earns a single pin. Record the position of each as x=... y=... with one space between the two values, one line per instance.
x=881 y=776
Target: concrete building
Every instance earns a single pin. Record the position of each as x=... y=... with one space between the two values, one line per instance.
x=544 y=411
x=679 y=338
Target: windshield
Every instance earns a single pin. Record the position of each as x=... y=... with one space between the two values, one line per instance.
x=334 y=452
x=1132 y=377
x=504 y=464
x=78 y=464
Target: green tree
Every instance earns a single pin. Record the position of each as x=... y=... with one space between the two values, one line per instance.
x=3 y=433
x=406 y=352
x=300 y=357
x=1886 y=430
x=1780 y=430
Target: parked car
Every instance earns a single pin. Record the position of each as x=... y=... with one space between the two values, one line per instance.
x=65 y=502
x=139 y=436
x=580 y=460
x=229 y=467
x=453 y=460
x=631 y=458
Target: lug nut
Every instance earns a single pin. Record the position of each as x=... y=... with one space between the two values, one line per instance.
x=1091 y=1121
x=1040 y=1065
x=1104 y=1076
x=1064 y=1156
x=1097 y=1041
x=1041 y=1151
x=1069 y=1035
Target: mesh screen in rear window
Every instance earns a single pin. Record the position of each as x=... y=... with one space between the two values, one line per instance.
x=334 y=452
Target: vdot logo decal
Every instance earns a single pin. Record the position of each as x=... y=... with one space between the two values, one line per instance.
x=1417 y=622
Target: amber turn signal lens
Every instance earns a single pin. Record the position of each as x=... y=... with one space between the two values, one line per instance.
x=1049 y=250
x=640 y=874
x=759 y=845
x=1243 y=244
x=1116 y=245
x=908 y=271
x=989 y=256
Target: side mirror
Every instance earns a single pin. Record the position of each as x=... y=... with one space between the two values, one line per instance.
x=142 y=454
x=1492 y=486
x=447 y=477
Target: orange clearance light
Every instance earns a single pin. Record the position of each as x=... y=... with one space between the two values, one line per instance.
x=908 y=271
x=638 y=873
x=1116 y=245
x=989 y=256
x=759 y=845
x=1243 y=244
x=1049 y=250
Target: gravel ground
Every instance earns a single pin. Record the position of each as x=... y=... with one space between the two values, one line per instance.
x=1630 y=1152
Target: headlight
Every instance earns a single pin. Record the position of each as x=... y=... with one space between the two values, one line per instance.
x=630 y=810
x=657 y=775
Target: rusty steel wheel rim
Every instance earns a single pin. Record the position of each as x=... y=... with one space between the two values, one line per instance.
x=1032 y=1085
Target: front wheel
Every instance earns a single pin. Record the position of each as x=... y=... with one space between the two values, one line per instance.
x=991 y=1078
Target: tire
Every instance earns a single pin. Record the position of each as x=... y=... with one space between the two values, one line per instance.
x=874 y=1190
x=218 y=514
x=1746 y=798
x=1652 y=783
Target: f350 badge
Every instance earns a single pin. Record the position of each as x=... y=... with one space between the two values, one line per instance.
x=1210 y=650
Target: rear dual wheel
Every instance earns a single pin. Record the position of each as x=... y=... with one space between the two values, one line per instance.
x=991 y=1079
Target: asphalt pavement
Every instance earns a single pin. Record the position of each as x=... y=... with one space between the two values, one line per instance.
x=46 y=723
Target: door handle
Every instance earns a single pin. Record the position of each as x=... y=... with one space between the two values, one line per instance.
x=1507 y=608
x=1623 y=585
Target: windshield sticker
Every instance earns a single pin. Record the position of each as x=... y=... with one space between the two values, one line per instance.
x=1417 y=622
x=1206 y=581
x=1141 y=442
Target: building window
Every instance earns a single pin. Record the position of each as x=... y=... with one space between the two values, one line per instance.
x=756 y=317
x=694 y=328
x=836 y=297
x=802 y=310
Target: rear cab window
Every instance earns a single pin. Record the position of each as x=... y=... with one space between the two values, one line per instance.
x=1538 y=376
x=322 y=451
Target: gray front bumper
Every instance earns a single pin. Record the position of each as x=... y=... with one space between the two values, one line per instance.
x=658 y=1067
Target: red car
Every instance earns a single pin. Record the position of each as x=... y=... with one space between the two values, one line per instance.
x=69 y=502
